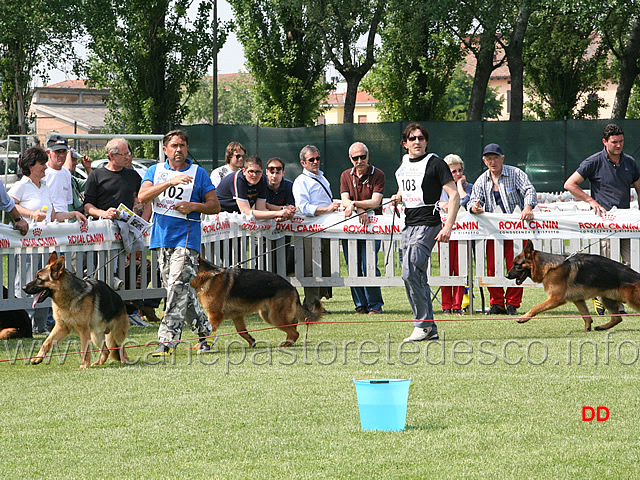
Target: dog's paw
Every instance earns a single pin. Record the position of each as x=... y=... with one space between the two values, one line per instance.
x=36 y=360
x=598 y=328
x=523 y=320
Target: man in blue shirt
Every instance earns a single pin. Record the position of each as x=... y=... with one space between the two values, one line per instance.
x=181 y=191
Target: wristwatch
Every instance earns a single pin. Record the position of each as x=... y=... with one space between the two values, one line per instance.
x=16 y=220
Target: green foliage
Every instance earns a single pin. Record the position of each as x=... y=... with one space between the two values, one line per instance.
x=459 y=94
x=235 y=103
x=28 y=29
x=147 y=52
x=285 y=58
x=416 y=61
x=564 y=65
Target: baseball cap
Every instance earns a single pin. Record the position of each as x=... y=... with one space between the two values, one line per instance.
x=492 y=148
x=56 y=142
x=75 y=154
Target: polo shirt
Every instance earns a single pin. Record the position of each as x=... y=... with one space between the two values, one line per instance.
x=362 y=188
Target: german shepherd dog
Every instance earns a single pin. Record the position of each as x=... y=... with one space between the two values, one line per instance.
x=89 y=307
x=236 y=292
x=14 y=323
x=577 y=278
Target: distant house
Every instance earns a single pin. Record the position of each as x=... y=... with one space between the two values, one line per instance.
x=68 y=107
x=365 y=111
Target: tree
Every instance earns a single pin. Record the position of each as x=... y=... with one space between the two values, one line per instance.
x=234 y=102
x=343 y=23
x=146 y=52
x=621 y=32
x=564 y=64
x=418 y=56
x=285 y=57
x=27 y=29
x=459 y=94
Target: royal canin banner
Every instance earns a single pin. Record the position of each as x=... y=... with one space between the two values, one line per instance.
x=54 y=234
x=561 y=223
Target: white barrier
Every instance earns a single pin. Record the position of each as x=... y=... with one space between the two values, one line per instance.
x=235 y=240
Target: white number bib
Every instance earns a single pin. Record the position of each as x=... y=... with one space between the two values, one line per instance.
x=165 y=203
x=409 y=177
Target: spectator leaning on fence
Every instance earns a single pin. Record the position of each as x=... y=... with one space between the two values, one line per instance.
x=361 y=189
x=611 y=174
x=452 y=296
x=234 y=160
x=421 y=177
x=312 y=193
x=245 y=191
x=500 y=189
x=180 y=191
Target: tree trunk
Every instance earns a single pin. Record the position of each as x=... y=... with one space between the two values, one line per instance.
x=515 y=62
x=484 y=67
x=628 y=72
x=350 y=98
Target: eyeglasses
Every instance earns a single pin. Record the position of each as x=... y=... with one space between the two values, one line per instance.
x=274 y=169
x=457 y=170
x=313 y=159
x=239 y=156
x=254 y=172
x=128 y=154
x=355 y=158
x=420 y=138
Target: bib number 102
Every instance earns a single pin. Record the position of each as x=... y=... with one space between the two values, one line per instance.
x=174 y=191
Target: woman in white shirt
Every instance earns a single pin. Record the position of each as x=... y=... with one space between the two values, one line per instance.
x=34 y=203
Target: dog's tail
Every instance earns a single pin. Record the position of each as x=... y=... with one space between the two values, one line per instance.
x=7 y=333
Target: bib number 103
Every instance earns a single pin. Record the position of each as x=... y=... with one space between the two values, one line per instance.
x=408 y=184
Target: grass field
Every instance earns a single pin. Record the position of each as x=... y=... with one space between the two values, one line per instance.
x=491 y=399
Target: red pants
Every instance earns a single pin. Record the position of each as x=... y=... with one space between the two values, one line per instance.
x=497 y=295
x=452 y=296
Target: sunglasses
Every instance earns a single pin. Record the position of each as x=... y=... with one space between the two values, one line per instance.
x=239 y=156
x=254 y=172
x=419 y=138
x=457 y=170
x=355 y=158
x=274 y=169
x=313 y=159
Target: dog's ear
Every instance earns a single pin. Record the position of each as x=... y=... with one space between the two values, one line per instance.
x=57 y=269
x=528 y=249
x=52 y=258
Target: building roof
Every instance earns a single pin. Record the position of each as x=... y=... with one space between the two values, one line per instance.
x=362 y=98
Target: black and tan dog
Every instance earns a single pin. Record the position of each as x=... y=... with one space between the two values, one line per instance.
x=575 y=279
x=89 y=307
x=236 y=292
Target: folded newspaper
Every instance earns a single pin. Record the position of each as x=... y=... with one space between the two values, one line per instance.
x=134 y=229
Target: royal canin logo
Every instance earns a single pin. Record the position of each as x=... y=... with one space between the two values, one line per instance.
x=608 y=216
x=37 y=232
x=297 y=220
x=84 y=227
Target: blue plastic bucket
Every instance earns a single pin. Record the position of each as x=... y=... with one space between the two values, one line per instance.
x=382 y=403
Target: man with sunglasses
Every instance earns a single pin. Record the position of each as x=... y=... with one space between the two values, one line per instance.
x=421 y=178
x=312 y=193
x=245 y=191
x=234 y=160
x=279 y=189
x=361 y=189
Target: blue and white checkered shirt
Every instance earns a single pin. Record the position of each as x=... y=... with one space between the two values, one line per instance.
x=514 y=186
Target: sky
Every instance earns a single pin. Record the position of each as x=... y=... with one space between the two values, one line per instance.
x=230 y=57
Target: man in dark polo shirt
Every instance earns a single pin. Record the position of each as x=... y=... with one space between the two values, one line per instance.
x=362 y=188
x=245 y=191
x=611 y=174
x=279 y=189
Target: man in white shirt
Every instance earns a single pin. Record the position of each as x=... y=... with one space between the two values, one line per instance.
x=312 y=193
x=58 y=179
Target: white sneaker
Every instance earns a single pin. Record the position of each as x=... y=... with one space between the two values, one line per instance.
x=420 y=334
x=117 y=283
